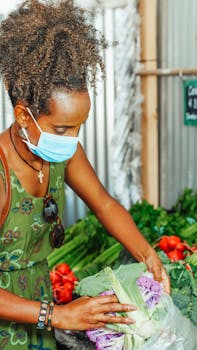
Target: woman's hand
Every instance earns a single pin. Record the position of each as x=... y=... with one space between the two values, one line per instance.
x=155 y=266
x=87 y=313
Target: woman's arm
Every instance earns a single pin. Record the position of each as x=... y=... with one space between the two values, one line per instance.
x=81 y=314
x=15 y=308
x=81 y=177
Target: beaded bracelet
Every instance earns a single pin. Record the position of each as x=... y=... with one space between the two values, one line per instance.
x=51 y=305
x=42 y=315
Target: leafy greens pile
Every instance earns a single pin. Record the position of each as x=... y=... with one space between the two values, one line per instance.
x=183 y=284
x=180 y=220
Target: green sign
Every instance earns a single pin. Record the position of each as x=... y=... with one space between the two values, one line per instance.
x=190 y=102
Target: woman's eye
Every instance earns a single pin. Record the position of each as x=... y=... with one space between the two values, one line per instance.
x=61 y=131
x=67 y=130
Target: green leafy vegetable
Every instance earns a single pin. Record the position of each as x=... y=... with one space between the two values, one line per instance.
x=192 y=259
x=183 y=284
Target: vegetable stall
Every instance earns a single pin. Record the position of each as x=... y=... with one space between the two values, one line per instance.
x=89 y=251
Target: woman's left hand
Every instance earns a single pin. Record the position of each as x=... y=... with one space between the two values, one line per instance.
x=155 y=266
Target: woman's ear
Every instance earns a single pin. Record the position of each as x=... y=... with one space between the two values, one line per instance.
x=6 y=84
x=21 y=115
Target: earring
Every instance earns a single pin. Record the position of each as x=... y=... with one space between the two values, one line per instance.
x=23 y=133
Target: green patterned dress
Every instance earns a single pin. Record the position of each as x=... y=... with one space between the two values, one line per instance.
x=24 y=247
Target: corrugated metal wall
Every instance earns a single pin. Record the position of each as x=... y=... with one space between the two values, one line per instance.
x=177 y=34
x=96 y=134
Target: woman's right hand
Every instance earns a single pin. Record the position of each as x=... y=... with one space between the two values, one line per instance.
x=90 y=312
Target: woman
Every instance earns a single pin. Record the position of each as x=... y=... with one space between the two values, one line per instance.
x=49 y=56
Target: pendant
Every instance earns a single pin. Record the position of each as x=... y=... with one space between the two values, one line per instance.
x=40 y=176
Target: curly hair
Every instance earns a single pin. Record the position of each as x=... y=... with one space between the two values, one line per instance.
x=46 y=45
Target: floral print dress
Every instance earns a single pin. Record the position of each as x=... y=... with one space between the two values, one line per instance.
x=24 y=247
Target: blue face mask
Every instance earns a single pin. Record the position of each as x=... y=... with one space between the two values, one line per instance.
x=50 y=147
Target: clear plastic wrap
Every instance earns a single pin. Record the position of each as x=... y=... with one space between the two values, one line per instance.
x=178 y=333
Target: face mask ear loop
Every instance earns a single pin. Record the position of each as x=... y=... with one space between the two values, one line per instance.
x=30 y=112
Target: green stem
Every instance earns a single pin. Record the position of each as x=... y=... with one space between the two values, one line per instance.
x=78 y=258
x=83 y=263
x=108 y=252
x=190 y=231
x=63 y=253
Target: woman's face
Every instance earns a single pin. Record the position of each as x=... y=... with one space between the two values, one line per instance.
x=68 y=111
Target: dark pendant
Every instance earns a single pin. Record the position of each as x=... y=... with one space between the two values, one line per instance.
x=50 y=210
x=57 y=236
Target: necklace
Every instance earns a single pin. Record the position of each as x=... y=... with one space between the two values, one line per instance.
x=40 y=173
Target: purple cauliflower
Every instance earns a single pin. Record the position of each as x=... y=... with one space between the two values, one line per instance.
x=106 y=339
x=151 y=290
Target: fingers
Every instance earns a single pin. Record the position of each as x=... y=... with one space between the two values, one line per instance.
x=156 y=270
x=116 y=319
x=155 y=266
x=104 y=309
x=165 y=281
x=115 y=307
x=108 y=304
x=104 y=319
x=100 y=320
x=161 y=275
x=104 y=299
x=92 y=312
x=96 y=325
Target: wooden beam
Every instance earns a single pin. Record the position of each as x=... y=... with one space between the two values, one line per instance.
x=168 y=72
x=150 y=166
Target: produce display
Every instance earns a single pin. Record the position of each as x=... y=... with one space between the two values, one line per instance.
x=89 y=249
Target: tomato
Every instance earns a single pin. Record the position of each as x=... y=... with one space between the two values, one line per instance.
x=69 y=285
x=62 y=295
x=69 y=277
x=188 y=267
x=181 y=247
x=63 y=268
x=57 y=285
x=175 y=255
x=173 y=241
x=163 y=244
x=54 y=277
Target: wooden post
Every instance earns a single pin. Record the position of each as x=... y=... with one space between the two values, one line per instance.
x=150 y=167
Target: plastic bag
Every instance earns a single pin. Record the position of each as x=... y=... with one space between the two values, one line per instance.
x=73 y=340
x=178 y=333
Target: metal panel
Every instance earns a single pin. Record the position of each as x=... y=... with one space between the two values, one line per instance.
x=6 y=110
x=96 y=134
x=177 y=33
x=118 y=99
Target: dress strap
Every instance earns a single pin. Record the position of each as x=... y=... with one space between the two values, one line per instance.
x=8 y=187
